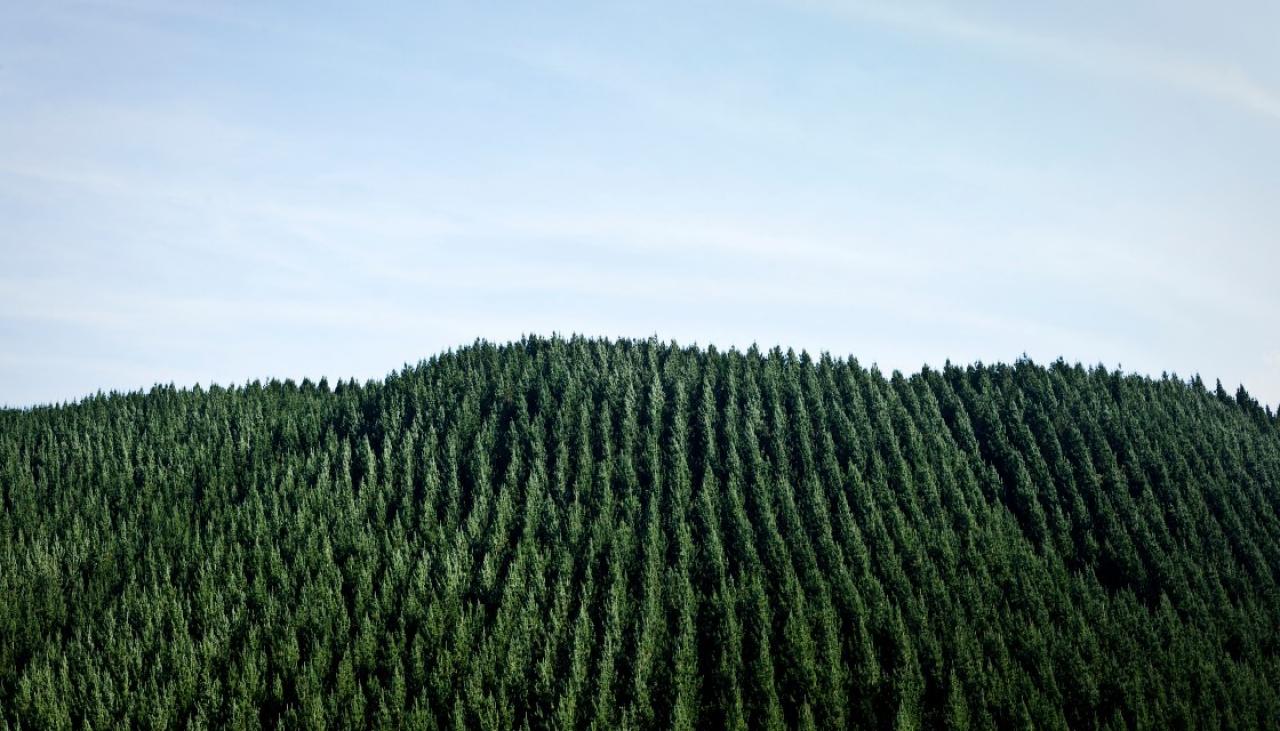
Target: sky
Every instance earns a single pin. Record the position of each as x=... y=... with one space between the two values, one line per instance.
x=201 y=192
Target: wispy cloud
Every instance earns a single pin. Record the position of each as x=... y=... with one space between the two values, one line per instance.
x=1127 y=61
x=703 y=107
x=192 y=226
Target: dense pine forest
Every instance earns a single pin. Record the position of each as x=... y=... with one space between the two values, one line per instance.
x=575 y=533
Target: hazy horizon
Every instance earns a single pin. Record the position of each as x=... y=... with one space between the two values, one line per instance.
x=199 y=193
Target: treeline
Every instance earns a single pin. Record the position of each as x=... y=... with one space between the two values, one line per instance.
x=591 y=534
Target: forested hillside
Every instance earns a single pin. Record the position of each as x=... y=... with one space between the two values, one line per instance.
x=590 y=534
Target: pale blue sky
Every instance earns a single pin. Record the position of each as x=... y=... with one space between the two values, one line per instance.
x=196 y=192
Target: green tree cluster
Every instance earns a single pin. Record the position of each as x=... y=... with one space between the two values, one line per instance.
x=580 y=533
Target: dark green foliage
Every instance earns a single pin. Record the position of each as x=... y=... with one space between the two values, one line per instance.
x=579 y=533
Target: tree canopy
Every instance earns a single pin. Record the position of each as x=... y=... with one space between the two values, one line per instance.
x=582 y=533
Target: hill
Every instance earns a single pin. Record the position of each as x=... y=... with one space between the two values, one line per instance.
x=577 y=533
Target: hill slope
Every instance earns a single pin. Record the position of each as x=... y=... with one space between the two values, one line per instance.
x=561 y=533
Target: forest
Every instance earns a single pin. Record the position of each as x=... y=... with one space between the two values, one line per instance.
x=575 y=533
